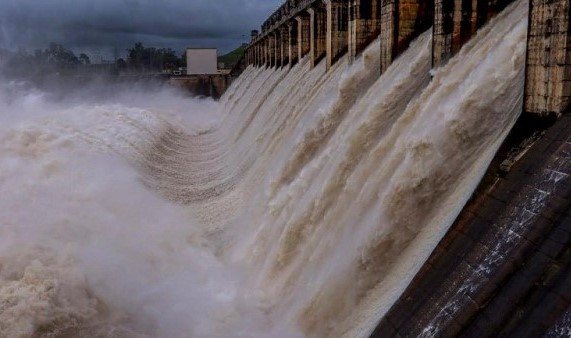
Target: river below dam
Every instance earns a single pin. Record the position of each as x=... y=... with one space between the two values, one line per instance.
x=299 y=205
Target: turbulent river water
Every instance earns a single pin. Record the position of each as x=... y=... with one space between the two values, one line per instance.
x=300 y=204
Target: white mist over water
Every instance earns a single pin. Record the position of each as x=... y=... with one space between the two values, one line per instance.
x=301 y=204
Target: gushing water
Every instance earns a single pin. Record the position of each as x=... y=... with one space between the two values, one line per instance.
x=301 y=204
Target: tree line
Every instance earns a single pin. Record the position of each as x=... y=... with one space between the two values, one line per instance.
x=57 y=59
x=151 y=59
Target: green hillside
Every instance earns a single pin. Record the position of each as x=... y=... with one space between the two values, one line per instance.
x=232 y=58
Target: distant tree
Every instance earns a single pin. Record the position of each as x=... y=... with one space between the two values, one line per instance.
x=58 y=55
x=55 y=59
x=136 y=55
x=144 y=58
x=182 y=62
x=121 y=64
x=84 y=59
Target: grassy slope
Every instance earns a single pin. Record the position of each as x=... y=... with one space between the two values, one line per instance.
x=232 y=58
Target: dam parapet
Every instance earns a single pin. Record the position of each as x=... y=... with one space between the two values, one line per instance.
x=329 y=29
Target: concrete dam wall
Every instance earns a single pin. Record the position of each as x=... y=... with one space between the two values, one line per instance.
x=503 y=268
x=379 y=168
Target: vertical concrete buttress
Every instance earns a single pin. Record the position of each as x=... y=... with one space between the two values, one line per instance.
x=272 y=50
x=548 y=64
x=278 y=49
x=267 y=51
x=258 y=54
x=337 y=30
x=268 y=56
x=364 y=25
x=401 y=22
x=263 y=52
x=318 y=30
x=293 y=52
x=303 y=34
x=284 y=47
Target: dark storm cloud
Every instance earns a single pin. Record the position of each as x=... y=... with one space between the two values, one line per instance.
x=99 y=26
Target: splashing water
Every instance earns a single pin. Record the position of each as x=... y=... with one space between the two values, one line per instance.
x=301 y=204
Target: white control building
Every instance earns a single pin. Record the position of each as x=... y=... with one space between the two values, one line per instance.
x=201 y=61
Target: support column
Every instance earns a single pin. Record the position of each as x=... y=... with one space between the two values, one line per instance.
x=267 y=51
x=456 y=21
x=401 y=22
x=272 y=50
x=548 y=68
x=284 y=45
x=278 y=49
x=252 y=48
x=318 y=31
x=264 y=51
x=337 y=30
x=303 y=34
x=364 y=25
x=258 y=54
x=293 y=52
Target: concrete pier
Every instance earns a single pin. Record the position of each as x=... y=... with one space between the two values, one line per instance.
x=280 y=42
x=268 y=54
x=284 y=34
x=318 y=32
x=278 y=51
x=364 y=25
x=272 y=48
x=293 y=52
x=548 y=72
x=337 y=30
x=259 y=46
x=259 y=53
x=401 y=22
x=265 y=47
x=303 y=34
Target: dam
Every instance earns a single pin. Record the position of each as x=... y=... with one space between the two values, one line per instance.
x=503 y=267
x=381 y=168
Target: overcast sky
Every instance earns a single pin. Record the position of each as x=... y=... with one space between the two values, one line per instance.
x=99 y=26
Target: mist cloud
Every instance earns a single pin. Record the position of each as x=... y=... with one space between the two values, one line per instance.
x=101 y=26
